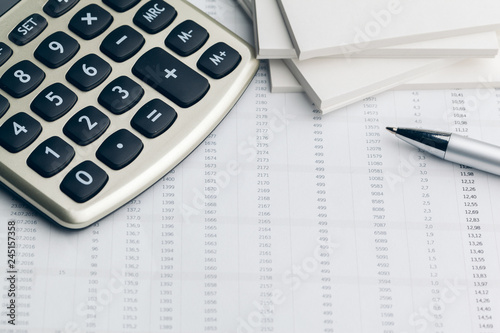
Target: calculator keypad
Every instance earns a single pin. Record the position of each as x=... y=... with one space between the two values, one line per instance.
x=171 y=77
x=122 y=44
x=121 y=95
x=90 y=22
x=21 y=79
x=57 y=49
x=5 y=53
x=88 y=72
x=119 y=149
x=155 y=16
x=186 y=38
x=121 y=5
x=219 y=60
x=56 y=8
x=19 y=131
x=54 y=102
x=86 y=125
x=4 y=105
x=99 y=97
x=51 y=156
x=28 y=29
x=154 y=118
x=84 y=181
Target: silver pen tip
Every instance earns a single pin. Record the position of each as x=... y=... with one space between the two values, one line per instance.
x=393 y=130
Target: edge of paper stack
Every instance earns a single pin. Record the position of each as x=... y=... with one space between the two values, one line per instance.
x=457 y=53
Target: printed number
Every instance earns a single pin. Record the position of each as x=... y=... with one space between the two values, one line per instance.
x=50 y=151
x=18 y=129
x=22 y=76
x=56 y=46
x=87 y=120
x=122 y=91
x=90 y=71
x=84 y=177
x=54 y=98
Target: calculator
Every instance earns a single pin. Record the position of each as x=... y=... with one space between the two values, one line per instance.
x=100 y=99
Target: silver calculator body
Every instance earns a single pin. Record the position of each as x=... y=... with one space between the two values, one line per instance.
x=151 y=104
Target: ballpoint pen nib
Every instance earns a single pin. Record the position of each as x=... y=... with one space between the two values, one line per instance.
x=392 y=129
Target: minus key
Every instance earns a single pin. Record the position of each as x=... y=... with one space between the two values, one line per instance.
x=122 y=43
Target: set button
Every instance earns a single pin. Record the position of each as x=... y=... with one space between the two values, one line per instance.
x=28 y=29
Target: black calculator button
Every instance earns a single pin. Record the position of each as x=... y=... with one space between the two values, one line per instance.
x=90 y=21
x=21 y=79
x=84 y=181
x=54 y=102
x=121 y=5
x=28 y=29
x=121 y=95
x=154 y=118
x=5 y=53
x=56 y=8
x=186 y=38
x=119 y=149
x=19 y=131
x=6 y=5
x=122 y=44
x=155 y=16
x=219 y=60
x=88 y=72
x=51 y=156
x=4 y=105
x=171 y=77
x=57 y=49
x=86 y=126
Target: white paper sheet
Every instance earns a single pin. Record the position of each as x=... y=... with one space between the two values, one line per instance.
x=320 y=27
x=273 y=41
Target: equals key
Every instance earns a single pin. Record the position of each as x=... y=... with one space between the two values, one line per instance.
x=122 y=43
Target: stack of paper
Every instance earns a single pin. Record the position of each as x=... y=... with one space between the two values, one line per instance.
x=341 y=51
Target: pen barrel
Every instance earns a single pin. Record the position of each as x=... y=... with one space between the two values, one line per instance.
x=473 y=153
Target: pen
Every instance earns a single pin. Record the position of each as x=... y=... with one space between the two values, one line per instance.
x=453 y=147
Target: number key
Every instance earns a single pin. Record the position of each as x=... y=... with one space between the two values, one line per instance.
x=54 y=102
x=88 y=72
x=84 y=181
x=57 y=49
x=18 y=132
x=21 y=79
x=121 y=95
x=86 y=126
x=4 y=105
x=50 y=157
x=5 y=53
x=56 y=8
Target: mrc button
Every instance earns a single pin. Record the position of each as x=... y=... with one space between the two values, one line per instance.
x=155 y=16
x=28 y=29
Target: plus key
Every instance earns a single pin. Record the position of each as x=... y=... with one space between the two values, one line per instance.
x=171 y=77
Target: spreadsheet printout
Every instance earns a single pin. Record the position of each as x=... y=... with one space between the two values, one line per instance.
x=283 y=220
